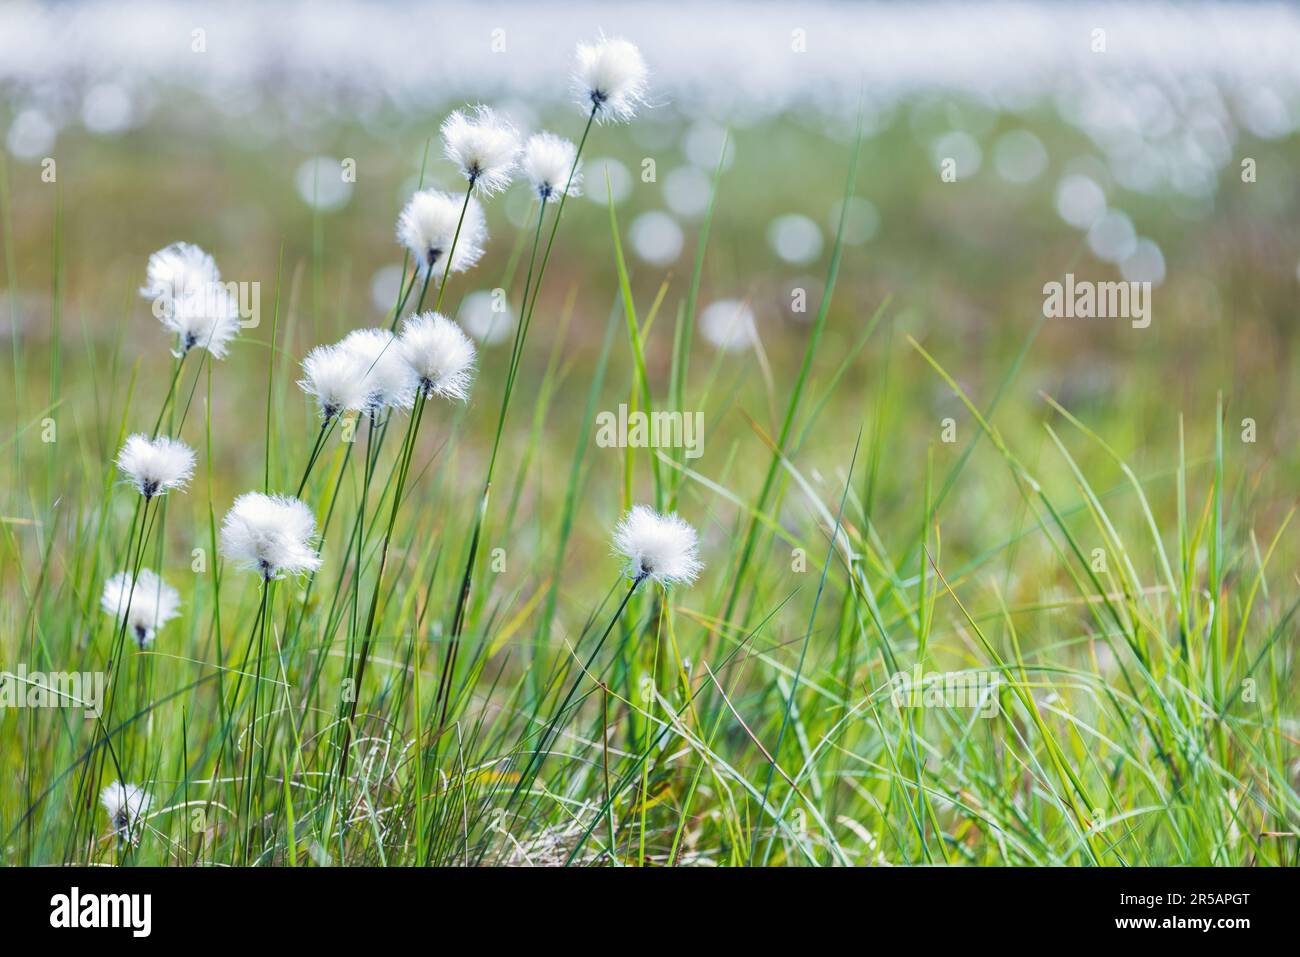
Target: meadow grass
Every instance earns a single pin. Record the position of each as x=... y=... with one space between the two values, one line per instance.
x=469 y=680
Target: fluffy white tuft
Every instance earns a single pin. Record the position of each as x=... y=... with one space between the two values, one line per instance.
x=270 y=534
x=427 y=227
x=145 y=604
x=439 y=354
x=548 y=160
x=126 y=806
x=729 y=325
x=610 y=79
x=387 y=382
x=483 y=145
x=337 y=379
x=207 y=317
x=176 y=270
x=660 y=547
x=155 y=465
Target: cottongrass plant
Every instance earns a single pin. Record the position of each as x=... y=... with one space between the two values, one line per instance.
x=138 y=599
x=206 y=318
x=439 y=355
x=364 y=373
x=175 y=271
x=127 y=805
x=271 y=535
x=154 y=466
x=550 y=164
x=389 y=384
x=433 y=230
x=657 y=547
x=663 y=548
x=143 y=603
x=336 y=378
x=484 y=147
x=434 y=356
x=439 y=359
x=439 y=228
x=387 y=381
x=610 y=79
x=184 y=286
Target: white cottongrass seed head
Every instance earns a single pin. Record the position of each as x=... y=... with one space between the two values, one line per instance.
x=483 y=145
x=729 y=325
x=546 y=164
x=126 y=806
x=154 y=466
x=387 y=381
x=145 y=604
x=427 y=227
x=206 y=317
x=177 y=270
x=336 y=378
x=439 y=354
x=656 y=546
x=270 y=534
x=610 y=79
